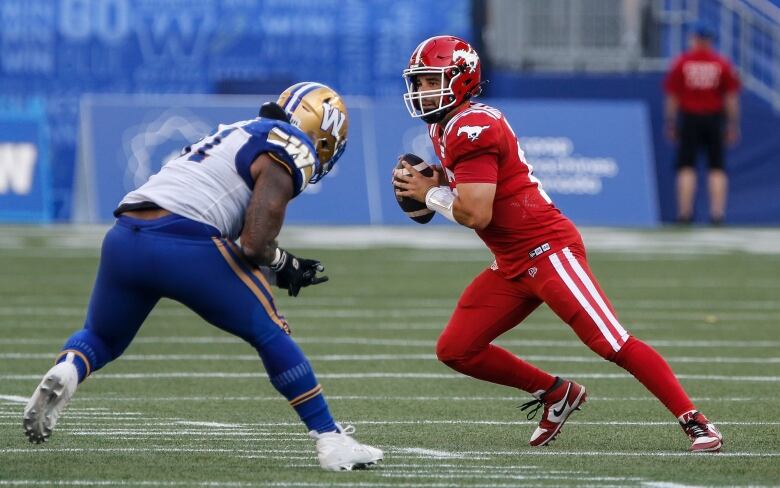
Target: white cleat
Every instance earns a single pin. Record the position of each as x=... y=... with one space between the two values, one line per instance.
x=337 y=451
x=49 y=401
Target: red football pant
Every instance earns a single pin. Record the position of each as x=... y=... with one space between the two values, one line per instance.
x=491 y=305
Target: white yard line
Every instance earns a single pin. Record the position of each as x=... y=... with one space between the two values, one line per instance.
x=210 y=340
x=79 y=399
x=74 y=425
x=349 y=376
x=394 y=357
x=311 y=453
x=405 y=314
x=231 y=484
x=14 y=399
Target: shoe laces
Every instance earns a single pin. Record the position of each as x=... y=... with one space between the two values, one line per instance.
x=348 y=430
x=535 y=405
x=695 y=429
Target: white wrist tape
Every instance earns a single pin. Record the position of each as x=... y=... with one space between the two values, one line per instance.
x=440 y=199
x=278 y=258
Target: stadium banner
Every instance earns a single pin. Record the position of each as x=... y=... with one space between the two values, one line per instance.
x=594 y=158
x=25 y=180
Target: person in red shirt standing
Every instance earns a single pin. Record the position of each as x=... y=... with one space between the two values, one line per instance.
x=486 y=184
x=701 y=87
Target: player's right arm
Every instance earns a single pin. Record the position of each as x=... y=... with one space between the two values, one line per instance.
x=472 y=206
x=272 y=192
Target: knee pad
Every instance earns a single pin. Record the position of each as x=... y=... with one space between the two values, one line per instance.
x=454 y=354
x=448 y=350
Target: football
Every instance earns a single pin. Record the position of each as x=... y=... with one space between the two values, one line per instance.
x=413 y=209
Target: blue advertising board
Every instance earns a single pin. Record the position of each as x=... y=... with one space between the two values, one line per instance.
x=594 y=158
x=24 y=165
x=126 y=139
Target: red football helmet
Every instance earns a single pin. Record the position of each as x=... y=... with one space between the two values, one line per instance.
x=458 y=65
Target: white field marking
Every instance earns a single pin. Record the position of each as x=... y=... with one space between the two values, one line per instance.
x=395 y=357
x=666 y=484
x=439 y=304
x=374 y=313
x=204 y=424
x=89 y=418
x=258 y=427
x=543 y=452
x=14 y=398
x=345 y=307
x=431 y=344
x=30 y=302
x=457 y=466
x=152 y=434
x=429 y=453
x=235 y=484
x=211 y=340
x=272 y=484
x=348 y=376
x=671 y=283
x=114 y=398
x=142 y=450
x=510 y=476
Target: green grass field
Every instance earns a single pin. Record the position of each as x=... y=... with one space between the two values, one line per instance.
x=189 y=405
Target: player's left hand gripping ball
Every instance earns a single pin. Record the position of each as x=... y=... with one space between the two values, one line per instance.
x=413 y=209
x=294 y=273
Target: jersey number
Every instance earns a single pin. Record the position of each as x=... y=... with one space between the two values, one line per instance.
x=200 y=149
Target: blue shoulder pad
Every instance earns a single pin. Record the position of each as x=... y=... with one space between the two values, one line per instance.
x=289 y=144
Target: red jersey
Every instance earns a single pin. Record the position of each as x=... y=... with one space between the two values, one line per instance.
x=699 y=79
x=478 y=146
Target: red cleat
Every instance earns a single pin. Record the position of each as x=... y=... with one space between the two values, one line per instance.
x=704 y=435
x=559 y=402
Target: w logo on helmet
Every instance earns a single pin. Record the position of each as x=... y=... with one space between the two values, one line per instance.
x=332 y=119
x=469 y=57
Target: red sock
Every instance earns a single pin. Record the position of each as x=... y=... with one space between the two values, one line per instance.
x=500 y=366
x=654 y=372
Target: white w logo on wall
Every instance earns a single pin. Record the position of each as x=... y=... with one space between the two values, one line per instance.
x=332 y=119
x=17 y=165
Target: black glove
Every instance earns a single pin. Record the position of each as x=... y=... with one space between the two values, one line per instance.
x=293 y=273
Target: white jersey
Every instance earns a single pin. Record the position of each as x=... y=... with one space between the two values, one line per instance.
x=210 y=182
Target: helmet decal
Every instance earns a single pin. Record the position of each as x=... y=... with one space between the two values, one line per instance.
x=320 y=112
x=470 y=57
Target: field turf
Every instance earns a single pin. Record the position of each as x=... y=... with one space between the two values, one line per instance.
x=189 y=405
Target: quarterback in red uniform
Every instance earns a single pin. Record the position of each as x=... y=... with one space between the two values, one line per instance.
x=485 y=183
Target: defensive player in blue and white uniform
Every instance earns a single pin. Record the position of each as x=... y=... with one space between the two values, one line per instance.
x=175 y=237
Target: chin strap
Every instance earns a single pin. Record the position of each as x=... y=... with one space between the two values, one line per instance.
x=435 y=117
x=440 y=199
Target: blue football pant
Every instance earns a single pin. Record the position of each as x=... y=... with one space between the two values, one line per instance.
x=177 y=258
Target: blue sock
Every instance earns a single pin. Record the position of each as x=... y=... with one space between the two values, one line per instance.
x=292 y=376
x=86 y=351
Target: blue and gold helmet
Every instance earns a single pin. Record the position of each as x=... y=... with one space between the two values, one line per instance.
x=319 y=112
